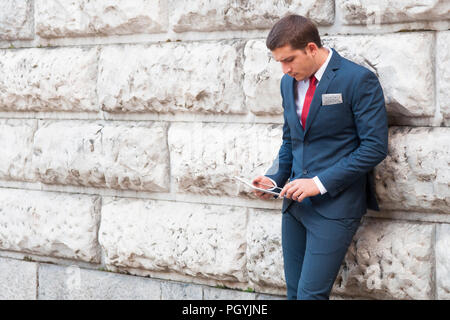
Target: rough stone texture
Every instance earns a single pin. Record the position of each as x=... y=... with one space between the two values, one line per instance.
x=389 y=260
x=172 y=77
x=16 y=141
x=392 y=11
x=443 y=72
x=58 y=18
x=17 y=280
x=264 y=254
x=16 y=19
x=270 y=297
x=194 y=239
x=205 y=15
x=394 y=59
x=112 y=155
x=443 y=262
x=50 y=224
x=415 y=175
x=223 y=294
x=74 y=283
x=42 y=79
x=180 y=291
x=205 y=156
x=262 y=76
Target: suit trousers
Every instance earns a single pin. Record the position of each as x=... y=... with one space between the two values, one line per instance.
x=313 y=250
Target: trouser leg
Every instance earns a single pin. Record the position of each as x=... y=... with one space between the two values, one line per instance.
x=293 y=240
x=327 y=243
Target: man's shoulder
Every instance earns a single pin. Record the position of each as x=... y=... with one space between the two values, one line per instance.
x=354 y=69
x=286 y=81
x=286 y=78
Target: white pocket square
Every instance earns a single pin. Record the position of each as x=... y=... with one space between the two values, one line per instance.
x=331 y=98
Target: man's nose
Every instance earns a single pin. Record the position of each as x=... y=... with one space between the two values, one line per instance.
x=286 y=68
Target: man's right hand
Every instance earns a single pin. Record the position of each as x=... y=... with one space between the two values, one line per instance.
x=262 y=182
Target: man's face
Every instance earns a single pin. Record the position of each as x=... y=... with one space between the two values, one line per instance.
x=297 y=63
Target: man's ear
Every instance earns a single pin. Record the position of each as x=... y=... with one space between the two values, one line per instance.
x=312 y=48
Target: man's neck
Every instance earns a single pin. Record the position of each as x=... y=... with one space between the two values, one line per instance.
x=321 y=57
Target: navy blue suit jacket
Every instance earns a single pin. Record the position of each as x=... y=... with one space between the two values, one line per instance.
x=341 y=143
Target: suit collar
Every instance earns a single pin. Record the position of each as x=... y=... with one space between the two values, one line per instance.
x=329 y=74
x=335 y=62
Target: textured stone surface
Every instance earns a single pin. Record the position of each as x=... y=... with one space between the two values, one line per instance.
x=16 y=141
x=16 y=19
x=114 y=155
x=443 y=72
x=264 y=254
x=389 y=260
x=74 y=283
x=180 y=291
x=223 y=294
x=17 y=280
x=59 y=18
x=402 y=62
x=205 y=15
x=50 y=224
x=392 y=11
x=194 y=239
x=171 y=77
x=205 y=156
x=443 y=261
x=42 y=79
x=262 y=76
x=416 y=173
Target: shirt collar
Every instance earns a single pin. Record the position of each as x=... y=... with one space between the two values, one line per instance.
x=323 y=67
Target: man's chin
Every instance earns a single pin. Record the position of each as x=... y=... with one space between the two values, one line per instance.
x=298 y=78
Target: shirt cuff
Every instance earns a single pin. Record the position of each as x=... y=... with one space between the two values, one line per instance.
x=319 y=185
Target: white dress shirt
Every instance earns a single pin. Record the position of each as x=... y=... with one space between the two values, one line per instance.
x=302 y=87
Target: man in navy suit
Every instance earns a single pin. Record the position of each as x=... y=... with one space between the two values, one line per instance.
x=335 y=132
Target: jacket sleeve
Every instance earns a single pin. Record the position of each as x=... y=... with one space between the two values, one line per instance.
x=372 y=129
x=281 y=167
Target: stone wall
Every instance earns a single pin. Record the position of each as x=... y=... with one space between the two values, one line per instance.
x=122 y=123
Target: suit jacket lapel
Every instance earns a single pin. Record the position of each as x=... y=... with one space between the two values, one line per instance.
x=293 y=107
x=322 y=88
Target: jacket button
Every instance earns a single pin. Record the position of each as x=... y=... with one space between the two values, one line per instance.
x=305 y=171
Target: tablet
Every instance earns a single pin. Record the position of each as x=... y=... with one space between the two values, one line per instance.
x=256 y=188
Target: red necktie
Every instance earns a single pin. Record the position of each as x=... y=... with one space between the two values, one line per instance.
x=308 y=98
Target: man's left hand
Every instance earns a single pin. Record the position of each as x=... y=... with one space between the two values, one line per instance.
x=299 y=189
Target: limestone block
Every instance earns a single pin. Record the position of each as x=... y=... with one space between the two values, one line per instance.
x=204 y=157
x=205 y=15
x=171 y=290
x=42 y=79
x=49 y=224
x=415 y=175
x=80 y=18
x=443 y=72
x=392 y=11
x=74 y=283
x=225 y=294
x=113 y=155
x=17 y=280
x=443 y=261
x=16 y=144
x=195 y=239
x=264 y=253
x=401 y=62
x=16 y=19
x=389 y=260
x=169 y=77
x=262 y=76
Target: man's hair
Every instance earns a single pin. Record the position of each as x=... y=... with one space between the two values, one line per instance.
x=294 y=30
